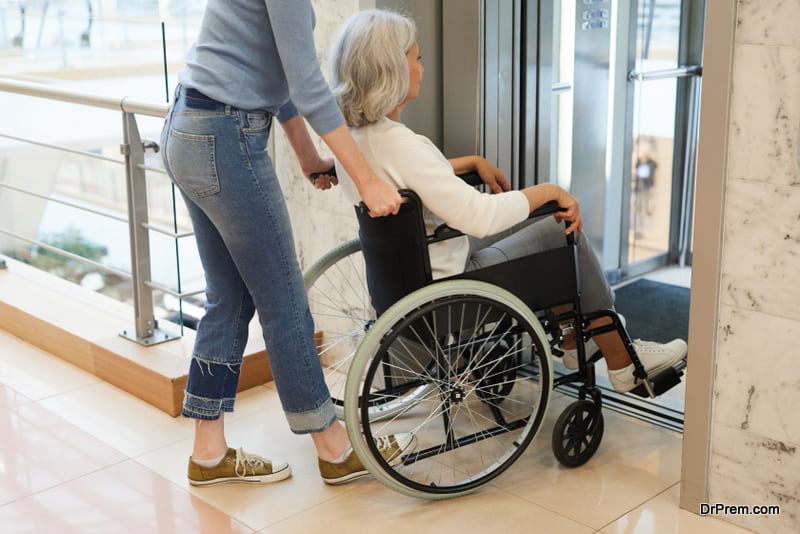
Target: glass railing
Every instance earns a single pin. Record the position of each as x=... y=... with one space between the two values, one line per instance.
x=84 y=88
x=83 y=195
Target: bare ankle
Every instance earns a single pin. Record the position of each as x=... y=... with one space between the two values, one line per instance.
x=209 y=439
x=331 y=443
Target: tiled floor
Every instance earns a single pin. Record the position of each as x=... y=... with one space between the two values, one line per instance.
x=77 y=455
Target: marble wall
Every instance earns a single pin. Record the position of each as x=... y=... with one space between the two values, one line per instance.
x=755 y=442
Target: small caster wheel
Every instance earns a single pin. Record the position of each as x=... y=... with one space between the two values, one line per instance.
x=577 y=433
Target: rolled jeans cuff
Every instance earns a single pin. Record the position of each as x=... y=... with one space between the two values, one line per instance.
x=203 y=408
x=312 y=420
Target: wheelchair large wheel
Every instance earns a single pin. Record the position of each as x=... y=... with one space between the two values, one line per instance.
x=483 y=362
x=342 y=312
x=577 y=433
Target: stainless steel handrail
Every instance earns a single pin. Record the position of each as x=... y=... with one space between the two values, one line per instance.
x=132 y=150
x=63 y=202
x=664 y=74
x=125 y=104
x=67 y=254
x=81 y=153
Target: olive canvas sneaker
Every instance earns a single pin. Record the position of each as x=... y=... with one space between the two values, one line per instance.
x=238 y=466
x=391 y=448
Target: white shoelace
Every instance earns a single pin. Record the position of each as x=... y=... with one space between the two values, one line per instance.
x=383 y=442
x=247 y=461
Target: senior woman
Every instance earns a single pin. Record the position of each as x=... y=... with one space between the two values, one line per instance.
x=376 y=70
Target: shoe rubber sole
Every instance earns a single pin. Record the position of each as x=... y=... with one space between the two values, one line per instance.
x=277 y=476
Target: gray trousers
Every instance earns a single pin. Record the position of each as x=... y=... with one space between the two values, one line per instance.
x=533 y=236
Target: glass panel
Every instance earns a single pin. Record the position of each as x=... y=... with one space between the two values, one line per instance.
x=657 y=47
x=101 y=47
x=563 y=71
x=651 y=173
x=95 y=38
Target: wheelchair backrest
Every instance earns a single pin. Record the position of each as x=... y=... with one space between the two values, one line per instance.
x=395 y=252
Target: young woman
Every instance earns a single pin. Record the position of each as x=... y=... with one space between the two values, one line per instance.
x=376 y=71
x=255 y=59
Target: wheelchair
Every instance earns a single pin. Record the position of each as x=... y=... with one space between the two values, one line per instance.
x=463 y=363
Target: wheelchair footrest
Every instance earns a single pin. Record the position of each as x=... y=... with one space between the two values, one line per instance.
x=662 y=382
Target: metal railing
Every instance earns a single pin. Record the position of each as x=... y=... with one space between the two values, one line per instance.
x=132 y=149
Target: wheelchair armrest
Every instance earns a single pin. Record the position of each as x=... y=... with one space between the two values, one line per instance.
x=471 y=178
x=442 y=233
x=547 y=208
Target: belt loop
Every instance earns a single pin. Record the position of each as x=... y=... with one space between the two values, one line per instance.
x=228 y=110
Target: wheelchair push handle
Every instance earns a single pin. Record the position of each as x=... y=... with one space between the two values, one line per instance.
x=329 y=172
x=406 y=196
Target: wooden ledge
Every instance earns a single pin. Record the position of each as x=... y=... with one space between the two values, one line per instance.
x=82 y=327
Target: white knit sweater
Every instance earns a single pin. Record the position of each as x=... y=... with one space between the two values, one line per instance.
x=407 y=160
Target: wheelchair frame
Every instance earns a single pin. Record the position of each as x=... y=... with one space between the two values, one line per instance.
x=409 y=355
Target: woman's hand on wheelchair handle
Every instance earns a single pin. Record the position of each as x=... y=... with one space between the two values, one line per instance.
x=322 y=175
x=380 y=198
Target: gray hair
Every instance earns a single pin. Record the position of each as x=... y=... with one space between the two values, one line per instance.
x=369 y=69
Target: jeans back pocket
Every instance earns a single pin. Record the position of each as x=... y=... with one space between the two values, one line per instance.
x=192 y=160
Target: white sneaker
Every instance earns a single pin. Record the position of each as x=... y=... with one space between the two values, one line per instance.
x=570 y=357
x=654 y=356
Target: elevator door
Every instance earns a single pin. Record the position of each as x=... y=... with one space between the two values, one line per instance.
x=598 y=96
x=625 y=98
x=625 y=106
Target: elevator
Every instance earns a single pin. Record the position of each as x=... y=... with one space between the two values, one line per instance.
x=598 y=96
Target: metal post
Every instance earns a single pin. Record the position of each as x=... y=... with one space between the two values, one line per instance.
x=146 y=332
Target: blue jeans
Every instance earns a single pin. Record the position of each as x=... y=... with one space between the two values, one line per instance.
x=216 y=155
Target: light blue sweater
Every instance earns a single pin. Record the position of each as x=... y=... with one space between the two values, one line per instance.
x=260 y=55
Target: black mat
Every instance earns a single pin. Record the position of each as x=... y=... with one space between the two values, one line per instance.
x=654 y=311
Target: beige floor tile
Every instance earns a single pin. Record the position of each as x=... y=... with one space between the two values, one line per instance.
x=373 y=508
x=125 y=498
x=635 y=462
x=39 y=450
x=131 y=425
x=662 y=515
x=126 y=423
x=36 y=373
